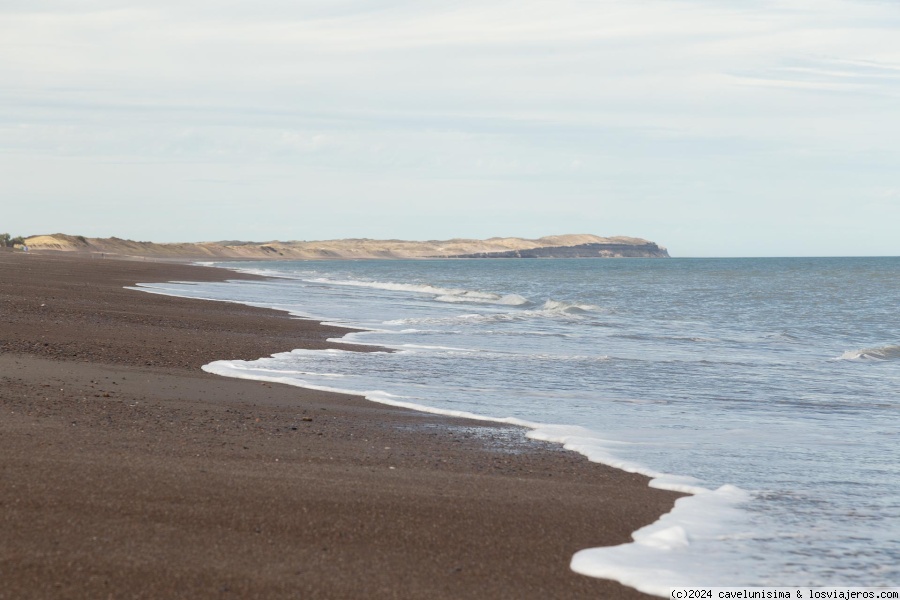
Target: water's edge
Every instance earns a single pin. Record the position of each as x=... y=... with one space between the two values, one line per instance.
x=645 y=564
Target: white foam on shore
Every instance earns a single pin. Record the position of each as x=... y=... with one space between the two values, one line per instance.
x=664 y=554
x=660 y=556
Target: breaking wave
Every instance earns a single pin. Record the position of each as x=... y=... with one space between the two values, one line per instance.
x=441 y=294
x=566 y=307
x=551 y=309
x=882 y=353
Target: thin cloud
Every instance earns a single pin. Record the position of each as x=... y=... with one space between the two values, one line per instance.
x=645 y=103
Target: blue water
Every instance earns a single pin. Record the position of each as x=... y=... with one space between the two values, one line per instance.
x=776 y=378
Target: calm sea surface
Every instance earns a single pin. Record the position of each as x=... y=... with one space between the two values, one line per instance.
x=769 y=387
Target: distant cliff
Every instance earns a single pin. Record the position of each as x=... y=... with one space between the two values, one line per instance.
x=595 y=250
x=572 y=245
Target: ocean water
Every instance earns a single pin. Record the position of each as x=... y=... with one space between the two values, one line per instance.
x=767 y=388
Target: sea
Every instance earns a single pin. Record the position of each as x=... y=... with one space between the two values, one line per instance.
x=768 y=389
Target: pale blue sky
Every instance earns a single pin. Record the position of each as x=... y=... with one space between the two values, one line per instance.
x=716 y=128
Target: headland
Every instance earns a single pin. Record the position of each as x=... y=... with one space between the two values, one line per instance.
x=558 y=246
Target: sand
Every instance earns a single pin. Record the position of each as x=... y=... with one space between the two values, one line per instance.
x=126 y=472
x=322 y=249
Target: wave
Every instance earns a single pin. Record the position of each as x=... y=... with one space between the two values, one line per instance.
x=881 y=353
x=441 y=294
x=459 y=295
x=656 y=559
x=567 y=307
x=550 y=309
x=782 y=336
x=479 y=298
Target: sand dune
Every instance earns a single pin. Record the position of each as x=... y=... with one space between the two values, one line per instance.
x=346 y=249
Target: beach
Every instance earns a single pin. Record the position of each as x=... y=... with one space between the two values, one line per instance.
x=127 y=472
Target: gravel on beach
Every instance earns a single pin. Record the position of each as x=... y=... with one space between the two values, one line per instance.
x=127 y=472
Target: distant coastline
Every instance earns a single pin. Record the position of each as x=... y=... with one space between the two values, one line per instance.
x=596 y=250
x=558 y=246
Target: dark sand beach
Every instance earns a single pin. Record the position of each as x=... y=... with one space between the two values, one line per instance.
x=127 y=472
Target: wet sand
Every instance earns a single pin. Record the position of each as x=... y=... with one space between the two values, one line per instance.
x=126 y=472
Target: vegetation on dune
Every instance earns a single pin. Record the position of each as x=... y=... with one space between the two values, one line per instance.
x=7 y=241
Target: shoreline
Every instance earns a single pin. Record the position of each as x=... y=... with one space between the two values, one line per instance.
x=297 y=492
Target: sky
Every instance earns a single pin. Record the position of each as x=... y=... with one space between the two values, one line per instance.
x=712 y=127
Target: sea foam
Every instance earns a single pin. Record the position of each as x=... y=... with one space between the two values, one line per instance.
x=882 y=353
x=567 y=307
x=439 y=294
x=657 y=558
x=653 y=562
x=670 y=543
x=756 y=404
